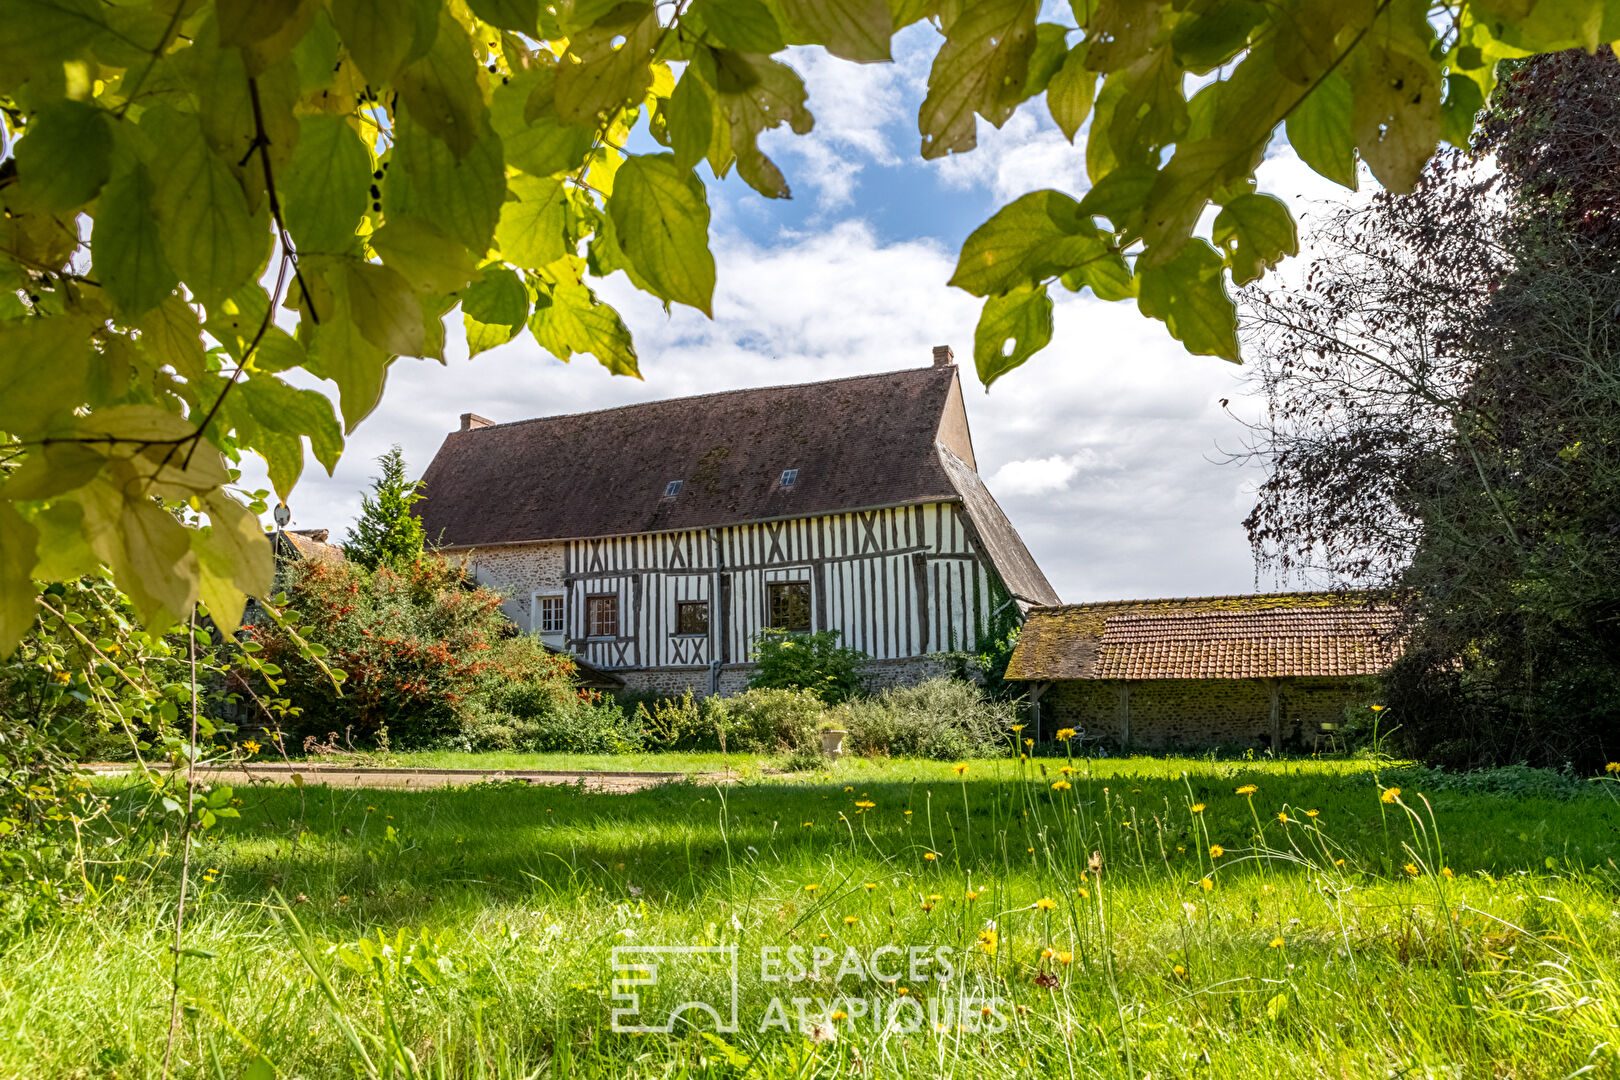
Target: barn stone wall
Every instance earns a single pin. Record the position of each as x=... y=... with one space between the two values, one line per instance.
x=516 y=571
x=1172 y=713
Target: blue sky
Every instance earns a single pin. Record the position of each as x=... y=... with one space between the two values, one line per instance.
x=1104 y=450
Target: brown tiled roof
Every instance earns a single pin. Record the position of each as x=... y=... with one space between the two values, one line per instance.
x=299 y=544
x=858 y=443
x=1267 y=635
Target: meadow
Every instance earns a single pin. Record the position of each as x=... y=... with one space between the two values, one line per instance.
x=1125 y=918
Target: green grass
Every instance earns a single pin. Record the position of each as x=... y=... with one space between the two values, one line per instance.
x=490 y=915
x=645 y=762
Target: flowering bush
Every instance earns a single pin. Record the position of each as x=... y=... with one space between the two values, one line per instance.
x=431 y=660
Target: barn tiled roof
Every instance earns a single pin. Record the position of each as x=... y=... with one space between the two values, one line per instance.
x=1268 y=635
x=858 y=443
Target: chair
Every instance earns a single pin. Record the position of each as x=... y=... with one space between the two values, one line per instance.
x=1328 y=733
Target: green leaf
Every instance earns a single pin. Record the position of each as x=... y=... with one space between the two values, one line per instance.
x=244 y=22
x=755 y=93
x=1071 y=91
x=442 y=89
x=430 y=261
x=1395 y=108
x=43 y=366
x=1120 y=32
x=210 y=239
x=494 y=310
x=1189 y=294
x=661 y=221
x=1255 y=231
x=533 y=222
x=568 y=318
x=981 y=68
x=1215 y=33
x=1110 y=278
x=17 y=608
x=1319 y=129
x=171 y=334
x=385 y=309
x=461 y=198
x=1121 y=197
x=125 y=247
x=1035 y=237
x=744 y=25
x=853 y=29
x=609 y=64
x=522 y=16
x=524 y=115
x=1051 y=51
x=323 y=191
x=378 y=35
x=63 y=157
x=1464 y=100
x=344 y=355
x=1012 y=328
x=234 y=559
x=690 y=118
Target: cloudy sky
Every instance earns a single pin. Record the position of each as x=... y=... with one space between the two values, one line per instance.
x=1104 y=450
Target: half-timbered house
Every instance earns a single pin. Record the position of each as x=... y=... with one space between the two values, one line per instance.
x=658 y=540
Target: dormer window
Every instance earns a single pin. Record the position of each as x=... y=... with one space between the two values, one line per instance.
x=673 y=488
x=790 y=477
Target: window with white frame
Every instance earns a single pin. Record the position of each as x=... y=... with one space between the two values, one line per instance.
x=548 y=613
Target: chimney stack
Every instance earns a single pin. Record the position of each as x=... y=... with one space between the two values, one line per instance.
x=943 y=357
x=471 y=420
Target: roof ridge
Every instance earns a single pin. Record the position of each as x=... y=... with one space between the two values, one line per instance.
x=708 y=396
x=1303 y=594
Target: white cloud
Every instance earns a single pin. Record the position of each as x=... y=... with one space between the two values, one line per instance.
x=1034 y=476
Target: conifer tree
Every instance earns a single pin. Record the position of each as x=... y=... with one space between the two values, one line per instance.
x=387 y=533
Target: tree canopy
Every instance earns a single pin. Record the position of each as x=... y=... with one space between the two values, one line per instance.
x=200 y=197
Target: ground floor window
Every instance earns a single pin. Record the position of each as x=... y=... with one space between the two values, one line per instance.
x=548 y=614
x=602 y=616
x=692 y=617
x=789 y=605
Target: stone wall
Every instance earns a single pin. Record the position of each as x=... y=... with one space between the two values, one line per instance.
x=516 y=571
x=880 y=675
x=1171 y=713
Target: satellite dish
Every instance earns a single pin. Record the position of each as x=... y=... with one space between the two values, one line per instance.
x=282 y=515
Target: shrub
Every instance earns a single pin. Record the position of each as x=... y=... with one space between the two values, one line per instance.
x=770 y=720
x=683 y=723
x=814 y=662
x=430 y=659
x=942 y=718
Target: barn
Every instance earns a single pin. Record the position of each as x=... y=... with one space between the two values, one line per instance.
x=657 y=541
x=1260 y=670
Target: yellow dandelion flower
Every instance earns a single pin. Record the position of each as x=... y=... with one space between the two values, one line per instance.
x=1248 y=789
x=1282 y=816
x=1276 y=943
x=1017 y=728
x=1338 y=862
x=1390 y=794
x=1216 y=851
x=902 y=991
x=1612 y=767
x=930 y=856
x=812 y=887
x=1377 y=708
x=972 y=895
x=1030 y=850
x=849 y=789
x=118 y=877
x=866 y=804
x=1029 y=742
x=1179 y=972
x=869 y=886
x=1411 y=868
x=851 y=920
x=959 y=769
x=1061 y=785
x=1066 y=770
x=908 y=813
x=809 y=824
x=1064 y=734
x=1312 y=813
x=251 y=747
x=1198 y=808
x=1081 y=892
x=1205 y=884
x=1045 y=903
x=935 y=898
x=838 y=1014
x=1048 y=953
x=927 y=906
x=1445 y=871
x=1065 y=958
